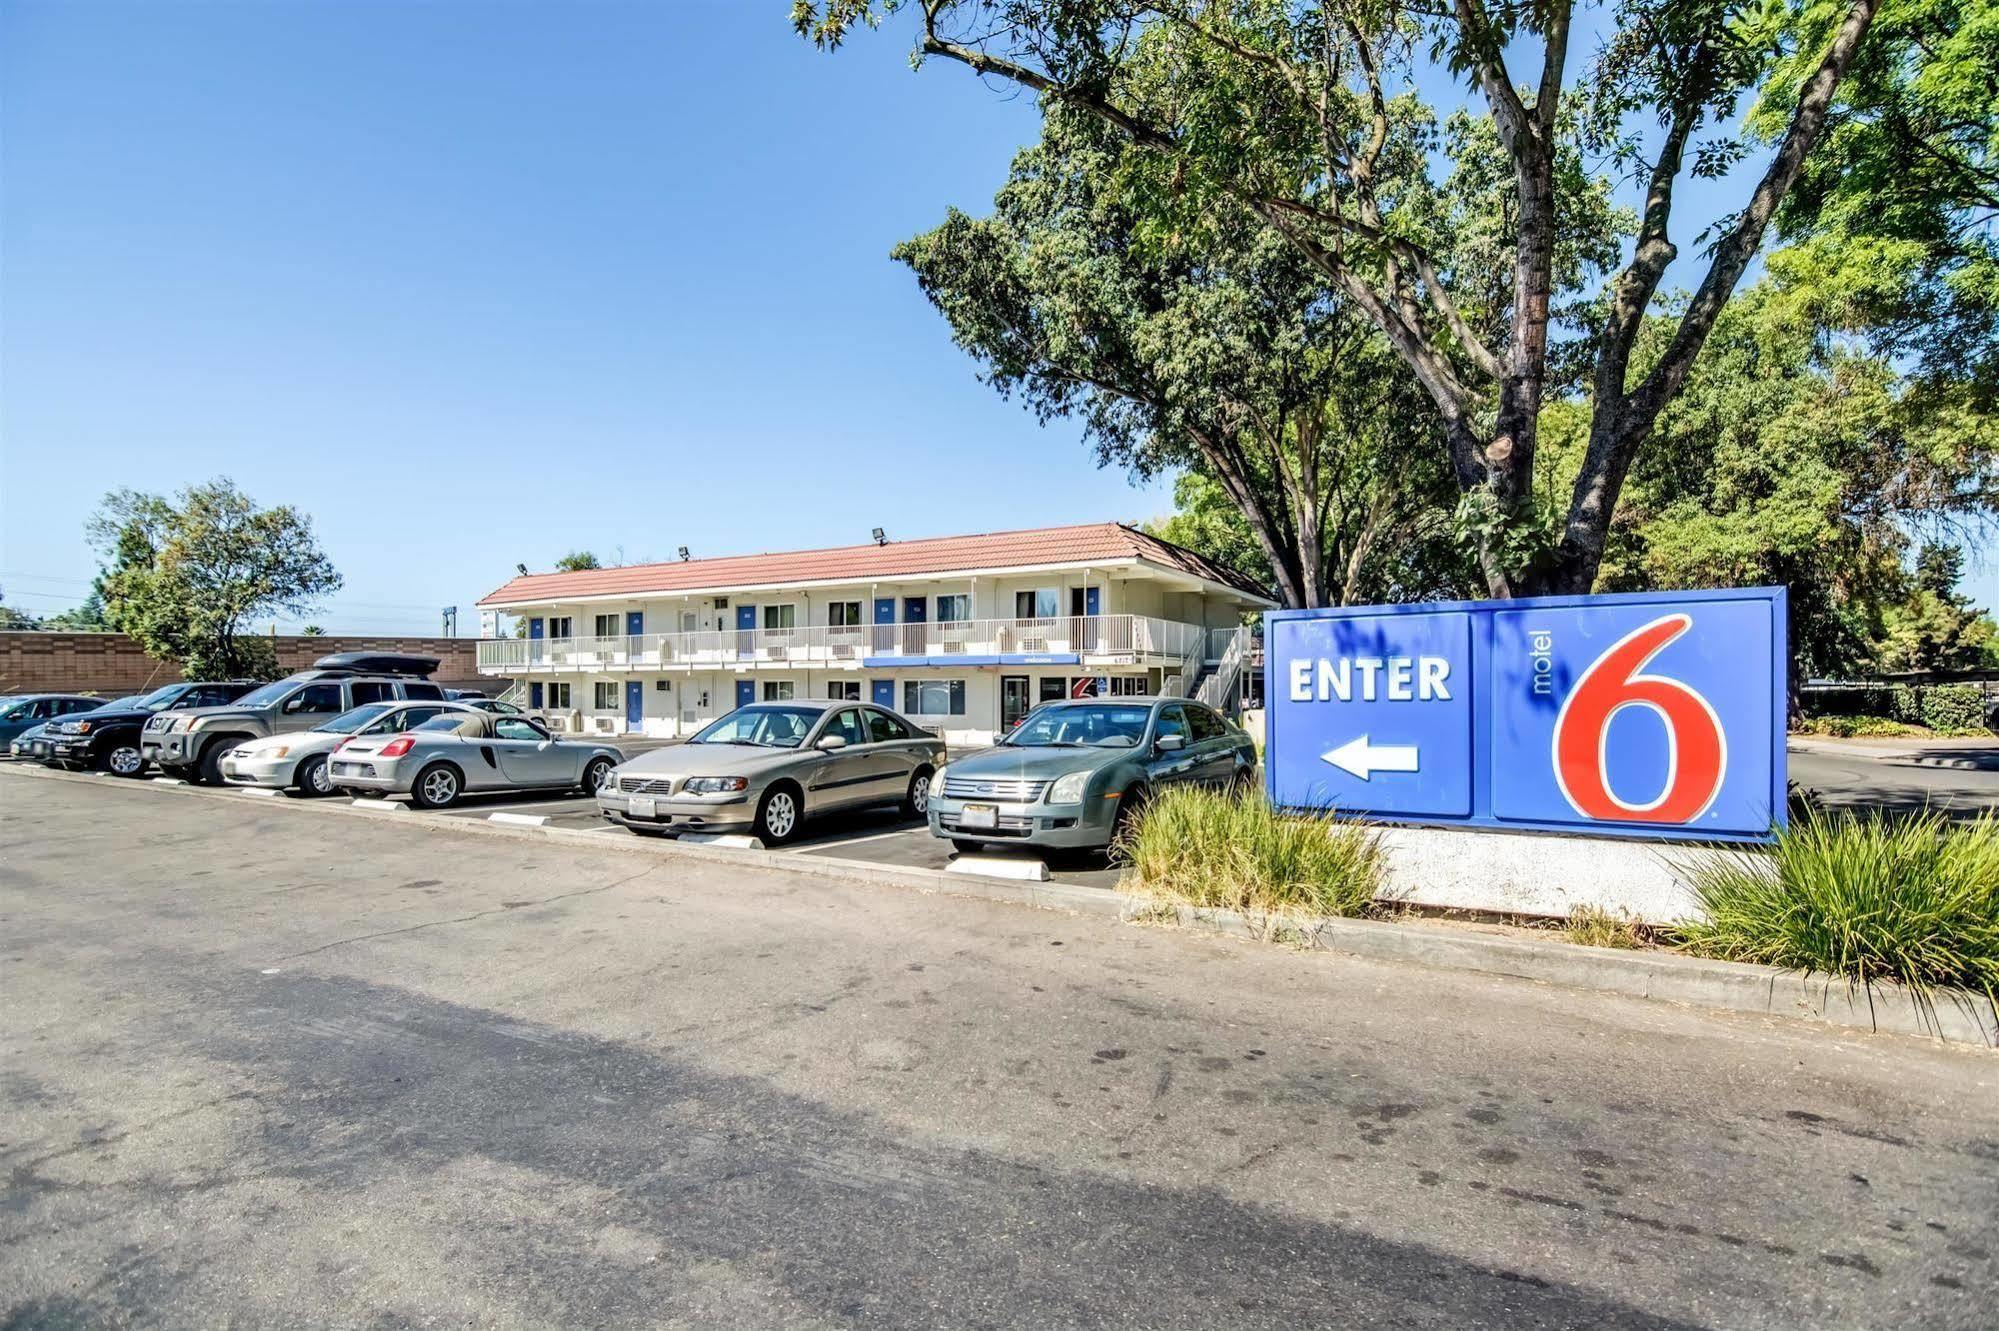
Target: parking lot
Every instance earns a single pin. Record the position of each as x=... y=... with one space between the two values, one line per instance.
x=877 y=836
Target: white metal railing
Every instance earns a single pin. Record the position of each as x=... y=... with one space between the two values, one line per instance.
x=818 y=645
x=1218 y=690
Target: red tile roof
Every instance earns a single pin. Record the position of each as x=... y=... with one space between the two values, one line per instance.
x=1098 y=542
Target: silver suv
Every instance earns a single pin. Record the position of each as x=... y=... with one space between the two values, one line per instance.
x=190 y=743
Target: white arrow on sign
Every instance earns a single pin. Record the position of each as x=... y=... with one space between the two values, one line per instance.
x=1364 y=760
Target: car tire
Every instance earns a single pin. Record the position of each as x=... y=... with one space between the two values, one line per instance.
x=314 y=781
x=1243 y=783
x=916 y=804
x=208 y=771
x=779 y=814
x=964 y=847
x=595 y=773
x=437 y=786
x=124 y=760
x=1128 y=809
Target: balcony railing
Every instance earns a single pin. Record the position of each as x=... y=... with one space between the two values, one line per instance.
x=818 y=646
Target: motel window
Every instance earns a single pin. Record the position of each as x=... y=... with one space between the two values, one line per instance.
x=606 y=694
x=778 y=690
x=933 y=697
x=953 y=608
x=1052 y=688
x=559 y=626
x=780 y=617
x=558 y=694
x=1129 y=686
x=1038 y=604
x=607 y=626
x=844 y=614
x=844 y=690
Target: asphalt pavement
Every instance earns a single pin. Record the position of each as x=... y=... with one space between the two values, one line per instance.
x=270 y=1069
x=1956 y=777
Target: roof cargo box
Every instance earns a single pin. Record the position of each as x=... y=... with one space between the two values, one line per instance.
x=377 y=663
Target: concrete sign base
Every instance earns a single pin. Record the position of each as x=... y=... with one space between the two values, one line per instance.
x=1530 y=873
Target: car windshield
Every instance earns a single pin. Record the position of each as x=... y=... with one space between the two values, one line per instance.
x=348 y=722
x=766 y=727
x=1105 y=725
x=158 y=698
x=265 y=694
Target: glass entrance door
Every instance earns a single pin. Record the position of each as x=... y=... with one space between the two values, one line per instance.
x=1014 y=702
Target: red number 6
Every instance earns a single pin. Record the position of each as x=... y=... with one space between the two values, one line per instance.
x=1696 y=750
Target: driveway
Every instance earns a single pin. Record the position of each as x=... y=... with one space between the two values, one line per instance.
x=1957 y=777
x=276 y=1069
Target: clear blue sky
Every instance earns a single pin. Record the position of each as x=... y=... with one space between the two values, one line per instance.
x=478 y=283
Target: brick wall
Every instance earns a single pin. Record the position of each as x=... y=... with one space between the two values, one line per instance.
x=113 y=665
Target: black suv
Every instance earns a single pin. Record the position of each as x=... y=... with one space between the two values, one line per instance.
x=107 y=738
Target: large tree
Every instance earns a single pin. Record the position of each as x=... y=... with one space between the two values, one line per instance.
x=1212 y=349
x=1287 y=108
x=186 y=574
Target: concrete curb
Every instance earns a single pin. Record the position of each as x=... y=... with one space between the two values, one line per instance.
x=1952 y=1016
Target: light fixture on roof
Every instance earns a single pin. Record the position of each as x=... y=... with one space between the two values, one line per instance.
x=881 y=538
x=683 y=554
x=521 y=569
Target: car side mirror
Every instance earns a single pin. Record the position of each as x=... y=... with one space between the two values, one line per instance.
x=832 y=742
x=1169 y=743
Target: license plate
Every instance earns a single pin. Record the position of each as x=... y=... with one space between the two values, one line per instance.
x=979 y=815
x=644 y=806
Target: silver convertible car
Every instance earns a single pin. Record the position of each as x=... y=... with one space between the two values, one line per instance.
x=769 y=766
x=465 y=752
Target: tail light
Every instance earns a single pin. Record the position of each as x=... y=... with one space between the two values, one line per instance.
x=398 y=746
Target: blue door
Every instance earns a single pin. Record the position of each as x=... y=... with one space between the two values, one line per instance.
x=635 y=622
x=534 y=643
x=534 y=628
x=746 y=643
x=915 y=609
x=1093 y=633
x=746 y=692
x=635 y=704
x=883 y=692
x=534 y=696
x=884 y=626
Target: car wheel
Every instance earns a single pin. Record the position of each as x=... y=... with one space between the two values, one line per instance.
x=436 y=786
x=916 y=804
x=124 y=760
x=209 y=769
x=964 y=847
x=779 y=815
x=596 y=774
x=1243 y=783
x=1128 y=810
x=313 y=778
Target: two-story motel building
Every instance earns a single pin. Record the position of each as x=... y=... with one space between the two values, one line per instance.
x=963 y=634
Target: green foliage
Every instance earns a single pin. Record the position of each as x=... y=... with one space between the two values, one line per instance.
x=12 y=618
x=1856 y=727
x=576 y=561
x=1952 y=709
x=312 y=631
x=1913 y=900
x=1207 y=850
x=1894 y=213
x=187 y=573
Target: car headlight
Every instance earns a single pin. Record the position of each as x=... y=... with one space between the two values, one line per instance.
x=78 y=727
x=937 y=778
x=278 y=752
x=715 y=785
x=1068 y=789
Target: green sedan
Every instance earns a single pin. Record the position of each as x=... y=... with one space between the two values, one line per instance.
x=1072 y=773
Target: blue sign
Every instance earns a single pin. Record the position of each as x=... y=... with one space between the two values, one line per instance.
x=1650 y=715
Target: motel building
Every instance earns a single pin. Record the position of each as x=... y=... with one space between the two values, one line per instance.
x=962 y=634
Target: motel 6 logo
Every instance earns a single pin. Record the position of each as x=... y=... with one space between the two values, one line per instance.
x=1696 y=747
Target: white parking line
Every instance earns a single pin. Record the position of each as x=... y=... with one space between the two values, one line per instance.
x=518 y=819
x=854 y=840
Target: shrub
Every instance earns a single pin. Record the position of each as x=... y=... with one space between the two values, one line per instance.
x=1955 y=709
x=1913 y=899
x=1850 y=727
x=1593 y=926
x=1209 y=850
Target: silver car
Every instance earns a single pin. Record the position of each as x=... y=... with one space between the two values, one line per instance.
x=769 y=766
x=298 y=758
x=468 y=751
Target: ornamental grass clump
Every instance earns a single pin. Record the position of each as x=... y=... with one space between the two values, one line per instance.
x=1210 y=850
x=1915 y=900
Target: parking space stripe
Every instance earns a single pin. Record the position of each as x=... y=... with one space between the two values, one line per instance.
x=853 y=841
